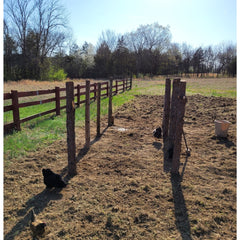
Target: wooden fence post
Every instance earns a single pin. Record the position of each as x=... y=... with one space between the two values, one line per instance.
x=107 y=89
x=173 y=119
x=116 y=87
x=98 y=108
x=16 y=115
x=87 y=115
x=57 y=95
x=123 y=85
x=78 y=95
x=110 y=117
x=95 y=91
x=180 y=110
x=70 y=109
x=165 y=122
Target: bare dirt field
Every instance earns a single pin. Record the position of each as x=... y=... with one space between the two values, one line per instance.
x=121 y=190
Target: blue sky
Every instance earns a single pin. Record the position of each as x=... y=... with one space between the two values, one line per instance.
x=196 y=22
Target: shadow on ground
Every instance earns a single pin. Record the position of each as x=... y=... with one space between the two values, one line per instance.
x=38 y=203
x=181 y=212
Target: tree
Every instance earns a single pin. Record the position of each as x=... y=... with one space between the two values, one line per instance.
x=37 y=24
x=198 y=60
x=103 y=61
x=187 y=55
x=120 y=59
x=226 y=53
x=110 y=38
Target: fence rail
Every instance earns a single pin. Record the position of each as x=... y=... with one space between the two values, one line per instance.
x=119 y=86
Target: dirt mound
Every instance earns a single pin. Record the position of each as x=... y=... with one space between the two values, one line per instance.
x=121 y=190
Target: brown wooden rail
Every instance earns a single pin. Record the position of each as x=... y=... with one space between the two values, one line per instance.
x=119 y=86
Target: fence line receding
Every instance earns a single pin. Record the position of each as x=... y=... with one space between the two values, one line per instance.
x=119 y=86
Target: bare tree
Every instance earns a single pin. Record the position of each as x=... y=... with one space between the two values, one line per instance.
x=39 y=29
x=110 y=38
x=50 y=25
x=150 y=36
x=18 y=13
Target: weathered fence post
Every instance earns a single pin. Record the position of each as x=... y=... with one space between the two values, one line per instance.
x=57 y=96
x=110 y=117
x=87 y=115
x=116 y=87
x=123 y=85
x=78 y=95
x=166 y=110
x=98 y=108
x=172 y=137
x=173 y=119
x=95 y=91
x=16 y=115
x=131 y=82
x=107 y=89
x=165 y=122
x=182 y=100
x=70 y=109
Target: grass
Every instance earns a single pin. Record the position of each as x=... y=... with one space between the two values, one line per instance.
x=44 y=130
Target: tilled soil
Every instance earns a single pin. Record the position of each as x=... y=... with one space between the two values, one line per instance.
x=121 y=190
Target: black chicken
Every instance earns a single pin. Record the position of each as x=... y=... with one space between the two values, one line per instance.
x=157 y=133
x=52 y=179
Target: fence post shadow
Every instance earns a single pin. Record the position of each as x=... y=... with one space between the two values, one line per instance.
x=181 y=212
x=83 y=151
x=38 y=203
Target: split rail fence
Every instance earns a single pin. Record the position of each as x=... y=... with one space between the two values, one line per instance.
x=119 y=86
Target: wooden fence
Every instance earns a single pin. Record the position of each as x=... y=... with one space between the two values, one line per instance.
x=119 y=86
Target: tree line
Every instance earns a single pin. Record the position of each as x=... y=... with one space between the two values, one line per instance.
x=37 y=46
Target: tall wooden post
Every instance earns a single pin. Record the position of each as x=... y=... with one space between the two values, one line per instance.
x=98 y=108
x=165 y=123
x=57 y=96
x=70 y=109
x=173 y=119
x=16 y=115
x=110 y=117
x=166 y=110
x=182 y=100
x=87 y=115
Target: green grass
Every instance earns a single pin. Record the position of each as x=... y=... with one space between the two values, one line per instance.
x=42 y=131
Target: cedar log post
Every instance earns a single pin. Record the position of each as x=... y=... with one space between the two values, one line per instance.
x=110 y=117
x=57 y=96
x=165 y=123
x=182 y=100
x=70 y=109
x=16 y=115
x=87 y=115
x=98 y=108
x=173 y=120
